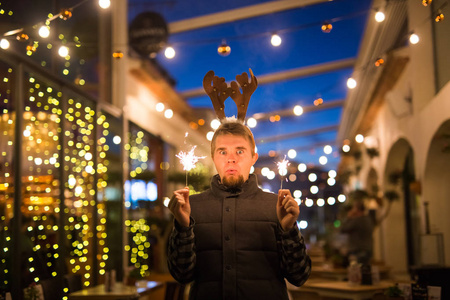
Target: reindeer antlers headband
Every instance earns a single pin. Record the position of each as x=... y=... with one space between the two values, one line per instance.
x=219 y=91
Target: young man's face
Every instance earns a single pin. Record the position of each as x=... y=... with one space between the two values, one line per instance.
x=233 y=159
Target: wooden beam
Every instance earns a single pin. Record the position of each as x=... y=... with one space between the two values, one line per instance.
x=233 y=15
x=290 y=113
x=288 y=74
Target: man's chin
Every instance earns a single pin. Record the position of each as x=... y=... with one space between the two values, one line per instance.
x=233 y=181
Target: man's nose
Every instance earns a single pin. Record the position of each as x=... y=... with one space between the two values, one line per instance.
x=231 y=158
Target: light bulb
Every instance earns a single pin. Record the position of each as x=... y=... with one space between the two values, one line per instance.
x=104 y=3
x=298 y=110
x=44 y=31
x=63 y=51
x=379 y=16
x=275 y=40
x=4 y=44
x=169 y=52
x=251 y=122
x=351 y=83
x=168 y=113
x=413 y=38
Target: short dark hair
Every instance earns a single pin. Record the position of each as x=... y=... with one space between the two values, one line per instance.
x=233 y=128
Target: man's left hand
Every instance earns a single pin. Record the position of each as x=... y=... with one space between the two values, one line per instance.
x=287 y=209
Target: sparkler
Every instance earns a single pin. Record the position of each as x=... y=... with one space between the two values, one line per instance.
x=188 y=160
x=282 y=169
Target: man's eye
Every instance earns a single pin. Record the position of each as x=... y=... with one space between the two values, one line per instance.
x=222 y=152
x=240 y=151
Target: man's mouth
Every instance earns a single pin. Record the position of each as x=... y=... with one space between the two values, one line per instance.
x=231 y=172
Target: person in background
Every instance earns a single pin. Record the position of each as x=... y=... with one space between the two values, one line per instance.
x=235 y=241
x=359 y=227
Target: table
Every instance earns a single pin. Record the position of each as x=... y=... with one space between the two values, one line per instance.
x=342 y=289
x=341 y=273
x=120 y=291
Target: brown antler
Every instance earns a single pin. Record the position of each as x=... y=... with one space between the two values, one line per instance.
x=243 y=99
x=218 y=92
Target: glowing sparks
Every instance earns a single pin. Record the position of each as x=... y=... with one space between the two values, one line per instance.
x=282 y=166
x=189 y=159
x=282 y=169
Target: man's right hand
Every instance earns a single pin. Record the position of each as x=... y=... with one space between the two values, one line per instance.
x=180 y=207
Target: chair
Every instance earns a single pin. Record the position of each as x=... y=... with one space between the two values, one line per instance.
x=73 y=282
x=174 y=291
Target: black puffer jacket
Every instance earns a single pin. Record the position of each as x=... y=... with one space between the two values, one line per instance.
x=237 y=244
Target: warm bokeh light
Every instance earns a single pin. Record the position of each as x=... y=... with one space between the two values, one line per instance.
x=379 y=16
x=169 y=52
x=168 y=113
x=160 y=106
x=320 y=202
x=302 y=167
x=63 y=51
x=4 y=44
x=414 y=39
x=327 y=149
x=275 y=40
x=44 y=31
x=104 y=3
x=251 y=122
x=323 y=160
x=292 y=154
x=359 y=138
x=209 y=135
x=298 y=110
x=215 y=124
x=346 y=148
x=332 y=173
x=351 y=83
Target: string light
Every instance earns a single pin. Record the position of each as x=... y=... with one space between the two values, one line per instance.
x=439 y=17
x=22 y=37
x=379 y=16
x=351 y=83
x=168 y=113
x=117 y=54
x=65 y=14
x=4 y=44
x=44 y=31
x=359 y=138
x=292 y=154
x=63 y=51
x=275 y=40
x=413 y=38
x=298 y=110
x=104 y=3
x=326 y=27
x=169 y=52
x=318 y=101
x=379 y=62
x=251 y=122
x=426 y=2
x=224 y=49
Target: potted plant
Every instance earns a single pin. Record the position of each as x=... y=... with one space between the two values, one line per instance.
x=394 y=292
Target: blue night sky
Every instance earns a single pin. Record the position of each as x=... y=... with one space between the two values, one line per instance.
x=303 y=44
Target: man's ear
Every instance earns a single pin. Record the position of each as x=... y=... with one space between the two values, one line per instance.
x=255 y=158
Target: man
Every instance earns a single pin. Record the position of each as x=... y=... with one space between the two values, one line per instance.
x=359 y=228
x=235 y=241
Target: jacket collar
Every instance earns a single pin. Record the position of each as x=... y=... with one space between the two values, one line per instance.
x=248 y=188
